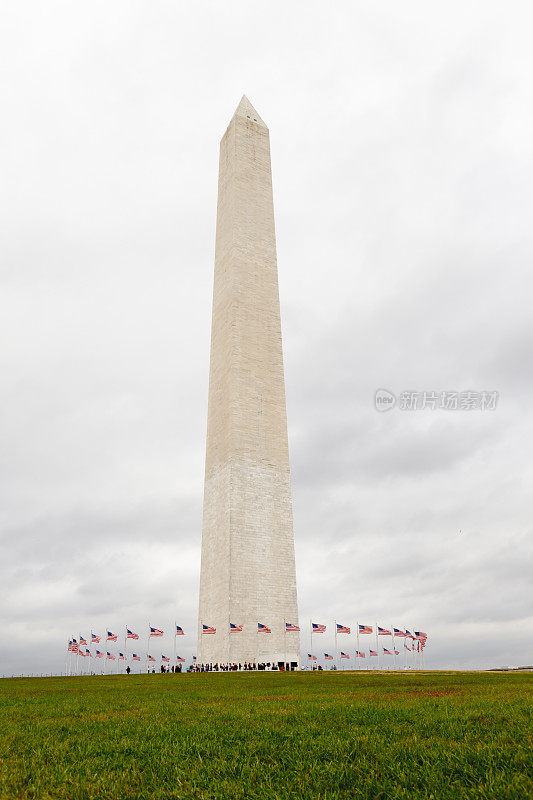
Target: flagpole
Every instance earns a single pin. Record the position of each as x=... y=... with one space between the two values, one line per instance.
x=105 y=652
x=66 y=659
x=147 y=646
x=125 y=645
x=377 y=642
x=357 y=651
x=78 y=653
x=175 y=636
x=285 y=645
x=393 y=646
x=404 y=651
x=228 y=634
x=228 y=631
x=335 y=623
x=311 y=642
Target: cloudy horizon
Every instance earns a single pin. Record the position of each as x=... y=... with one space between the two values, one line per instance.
x=401 y=144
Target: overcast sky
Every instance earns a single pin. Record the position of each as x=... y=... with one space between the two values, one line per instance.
x=401 y=138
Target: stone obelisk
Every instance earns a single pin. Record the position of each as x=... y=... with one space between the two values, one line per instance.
x=248 y=572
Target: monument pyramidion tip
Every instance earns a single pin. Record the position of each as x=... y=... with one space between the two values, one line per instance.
x=246 y=109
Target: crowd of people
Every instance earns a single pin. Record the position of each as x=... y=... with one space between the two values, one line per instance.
x=234 y=667
x=230 y=667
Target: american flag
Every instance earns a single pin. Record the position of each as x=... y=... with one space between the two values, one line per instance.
x=155 y=632
x=179 y=631
x=235 y=628
x=121 y=657
x=372 y=653
x=82 y=640
x=165 y=658
x=151 y=658
x=387 y=652
x=99 y=654
x=74 y=646
x=358 y=654
x=290 y=627
x=88 y=652
x=396 y=652
x=344 y=655
x=342 y=628
x=135 y=657
x=262 y=628
x=112 y=637
x=82 y=654
x=131 y=635
x=95 y=638
x=309 y=656
x=365 y=629
x=409 y=634
x=69 y=648
x=328 y=657
x=110 y=656
x=398 y=632
x=208 y=629
x=194 y=658
x=181 y=660
x=316 y=627
x=383 y=632
x=421 y=636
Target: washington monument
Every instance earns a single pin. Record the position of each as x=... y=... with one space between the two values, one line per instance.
x=248 y=574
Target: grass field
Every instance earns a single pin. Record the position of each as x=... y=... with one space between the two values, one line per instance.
x=267 y=735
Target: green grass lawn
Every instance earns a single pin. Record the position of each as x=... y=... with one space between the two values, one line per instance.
x=267 y=735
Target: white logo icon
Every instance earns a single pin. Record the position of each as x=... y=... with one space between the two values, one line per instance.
x=384 y=400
